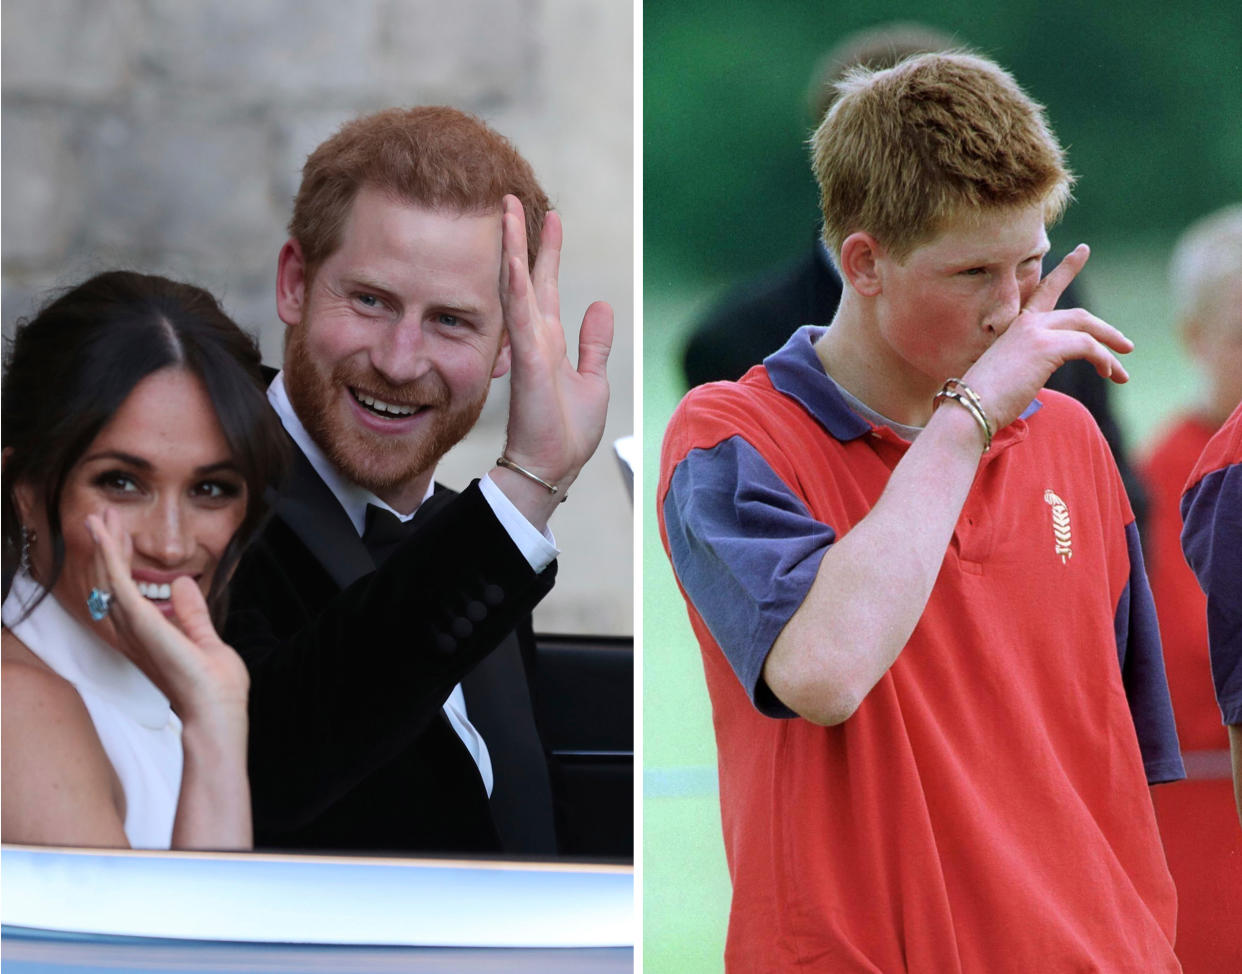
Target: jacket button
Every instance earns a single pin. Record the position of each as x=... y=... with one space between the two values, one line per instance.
x=462 y=628
x=476 y=611
x=445 y=644
x=493 y=595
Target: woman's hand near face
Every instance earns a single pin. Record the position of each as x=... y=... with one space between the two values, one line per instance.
x=205 y=681
x=191 y=665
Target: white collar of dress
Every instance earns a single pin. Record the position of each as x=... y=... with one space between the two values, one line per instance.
x=78 y=654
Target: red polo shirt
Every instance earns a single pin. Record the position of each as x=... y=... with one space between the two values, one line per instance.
x=986 y=808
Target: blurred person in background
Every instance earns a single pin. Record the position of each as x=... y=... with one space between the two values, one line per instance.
x=1197 y=822
x=755 y=317
x=1212 y=542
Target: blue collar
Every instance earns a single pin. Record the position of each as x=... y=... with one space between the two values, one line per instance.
x=795 y=370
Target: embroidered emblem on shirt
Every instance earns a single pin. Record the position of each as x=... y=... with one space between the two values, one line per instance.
x=1060 y=525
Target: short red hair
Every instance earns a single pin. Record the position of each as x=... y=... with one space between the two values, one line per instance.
x=433 y=156
x=906 y=150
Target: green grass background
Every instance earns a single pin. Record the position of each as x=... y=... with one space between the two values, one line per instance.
x=685 y=880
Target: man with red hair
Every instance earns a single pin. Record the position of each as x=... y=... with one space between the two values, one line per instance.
x=384 y=620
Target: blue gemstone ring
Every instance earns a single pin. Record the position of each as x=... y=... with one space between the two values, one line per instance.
x=98 y=603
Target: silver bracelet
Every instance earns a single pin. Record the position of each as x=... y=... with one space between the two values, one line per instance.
x=961 y=393
x=504 y=461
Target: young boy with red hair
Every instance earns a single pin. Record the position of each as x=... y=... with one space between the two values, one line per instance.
x=934 y=668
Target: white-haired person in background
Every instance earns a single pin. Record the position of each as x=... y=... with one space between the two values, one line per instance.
x=1196 y=816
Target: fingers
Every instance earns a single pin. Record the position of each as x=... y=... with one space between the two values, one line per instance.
x=516 y=294
x=1079 y=334
x=548 y=265
x=516 y=283
x=1106 y=363
x=1073 y=333
x=513 y=229
x=519 y=282
x=595 y=340
x=193 y=617
x=94 y=527
x=1058 y=279
x=1076 y=319
x=112 y=555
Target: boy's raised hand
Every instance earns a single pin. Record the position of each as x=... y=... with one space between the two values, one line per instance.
x=1040 y=340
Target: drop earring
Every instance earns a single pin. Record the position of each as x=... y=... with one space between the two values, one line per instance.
x=28 y=537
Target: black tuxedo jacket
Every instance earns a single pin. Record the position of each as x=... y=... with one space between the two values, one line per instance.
x=349 y=667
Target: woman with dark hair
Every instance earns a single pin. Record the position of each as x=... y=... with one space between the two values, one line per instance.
x=138 y=445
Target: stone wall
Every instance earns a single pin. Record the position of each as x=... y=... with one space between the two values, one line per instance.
x=168 y=136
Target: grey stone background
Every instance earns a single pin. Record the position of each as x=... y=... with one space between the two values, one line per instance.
x=169 y=136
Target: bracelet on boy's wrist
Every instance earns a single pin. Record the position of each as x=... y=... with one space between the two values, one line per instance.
x=961 y=393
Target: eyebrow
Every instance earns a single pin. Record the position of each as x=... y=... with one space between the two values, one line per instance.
x=459 y=308
x=141 y=463
x=982 y=260
x=364 y=283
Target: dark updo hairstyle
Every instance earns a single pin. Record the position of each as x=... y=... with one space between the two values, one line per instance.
x=70 y=368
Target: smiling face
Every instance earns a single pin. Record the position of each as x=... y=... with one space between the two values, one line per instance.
x=943 y=306
x=163 y=465
x=391 y=346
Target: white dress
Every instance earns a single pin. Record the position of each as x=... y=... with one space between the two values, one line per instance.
x=139 y=732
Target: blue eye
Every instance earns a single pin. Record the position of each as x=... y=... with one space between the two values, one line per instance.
x=367 y=301
x=450 y=320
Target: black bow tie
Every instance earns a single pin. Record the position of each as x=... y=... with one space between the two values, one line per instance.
x=384 y=531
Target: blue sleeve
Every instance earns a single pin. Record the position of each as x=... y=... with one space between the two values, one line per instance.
x=746 y=550
x=1142 y=671
x=1212 y=542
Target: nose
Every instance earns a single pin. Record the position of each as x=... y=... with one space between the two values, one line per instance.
x=1006 y=303
x=402 y=353
x=164 y=533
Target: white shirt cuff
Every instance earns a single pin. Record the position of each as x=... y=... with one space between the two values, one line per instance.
x=538 y=548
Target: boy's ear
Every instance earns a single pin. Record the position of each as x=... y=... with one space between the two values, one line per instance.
x=290 y=283
x=860 y=254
